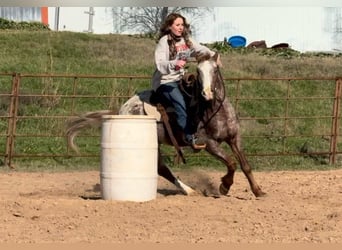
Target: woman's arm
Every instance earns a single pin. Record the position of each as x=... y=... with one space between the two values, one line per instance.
x=199 y=48
x=161 y=56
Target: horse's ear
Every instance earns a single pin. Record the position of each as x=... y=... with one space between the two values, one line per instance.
x=217 y=59
x=215 y=56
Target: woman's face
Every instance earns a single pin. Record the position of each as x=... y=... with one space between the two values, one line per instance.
x=177 y=27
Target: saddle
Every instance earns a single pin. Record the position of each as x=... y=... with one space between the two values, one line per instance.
x=163 y=111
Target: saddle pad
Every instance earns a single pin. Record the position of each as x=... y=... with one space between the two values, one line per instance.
x=152 y=111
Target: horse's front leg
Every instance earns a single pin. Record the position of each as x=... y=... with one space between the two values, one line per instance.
x=165 y=172
x=213 y=147
x=246 y=168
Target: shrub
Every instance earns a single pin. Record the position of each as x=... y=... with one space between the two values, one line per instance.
x=12 y=25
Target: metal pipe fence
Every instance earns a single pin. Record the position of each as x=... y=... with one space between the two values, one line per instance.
x=278 y=118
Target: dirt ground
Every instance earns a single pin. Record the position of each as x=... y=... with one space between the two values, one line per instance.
x=300 y=207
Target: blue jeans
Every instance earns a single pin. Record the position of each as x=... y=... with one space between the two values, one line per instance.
x=172 y=93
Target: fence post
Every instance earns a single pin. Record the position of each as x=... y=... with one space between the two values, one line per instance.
x=12 y=121
x=335 y=121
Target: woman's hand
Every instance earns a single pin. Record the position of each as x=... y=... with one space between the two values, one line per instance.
x=180 y=64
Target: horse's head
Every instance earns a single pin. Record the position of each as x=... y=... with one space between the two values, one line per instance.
x=207 y=74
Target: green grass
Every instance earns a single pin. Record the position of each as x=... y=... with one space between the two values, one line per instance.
x=70 y=53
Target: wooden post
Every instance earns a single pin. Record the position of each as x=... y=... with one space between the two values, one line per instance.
x=335 y=121
x=12 y=121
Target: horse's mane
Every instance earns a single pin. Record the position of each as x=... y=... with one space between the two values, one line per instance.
x=200 y=57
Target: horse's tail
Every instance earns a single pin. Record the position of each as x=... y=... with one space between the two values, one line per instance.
x=87 y=120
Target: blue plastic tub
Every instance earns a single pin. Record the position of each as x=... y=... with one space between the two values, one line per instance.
x=237 y=41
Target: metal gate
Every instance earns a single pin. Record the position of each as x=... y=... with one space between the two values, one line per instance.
x=35 y=107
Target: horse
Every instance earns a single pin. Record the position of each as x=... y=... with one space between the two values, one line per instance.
x=218 y=123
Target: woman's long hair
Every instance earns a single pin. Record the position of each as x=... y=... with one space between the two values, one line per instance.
x=165 y=30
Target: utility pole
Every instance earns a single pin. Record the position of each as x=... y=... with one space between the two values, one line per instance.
x=57 y=18
x=91 y=14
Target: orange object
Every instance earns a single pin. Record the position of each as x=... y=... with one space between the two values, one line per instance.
x=45 y=15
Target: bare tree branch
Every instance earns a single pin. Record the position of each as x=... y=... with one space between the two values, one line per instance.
x=147 y=20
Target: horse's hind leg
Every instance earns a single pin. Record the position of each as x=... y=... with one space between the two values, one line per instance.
x=165 y=172
x=213 y=147
x=246 y=168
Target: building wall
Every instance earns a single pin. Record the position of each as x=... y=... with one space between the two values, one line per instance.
x=77 y=19
x=28 y=14
x=303 y=28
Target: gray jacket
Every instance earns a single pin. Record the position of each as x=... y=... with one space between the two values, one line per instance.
x=165 y=68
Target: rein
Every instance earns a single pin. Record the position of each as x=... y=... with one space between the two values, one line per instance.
x=189 y=80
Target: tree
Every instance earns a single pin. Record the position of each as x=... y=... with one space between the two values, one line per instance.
x=147 y=20
x=333 y=24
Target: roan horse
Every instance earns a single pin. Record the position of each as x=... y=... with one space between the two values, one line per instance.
x=217 y=123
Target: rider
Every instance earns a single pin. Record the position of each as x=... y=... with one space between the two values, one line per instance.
x=173 y=48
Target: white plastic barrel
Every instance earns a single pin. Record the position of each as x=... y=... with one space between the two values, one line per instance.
x=129 y=158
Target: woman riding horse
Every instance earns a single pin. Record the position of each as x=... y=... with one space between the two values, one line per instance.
x=218 y=124
x=174 y=47
x=218 y=120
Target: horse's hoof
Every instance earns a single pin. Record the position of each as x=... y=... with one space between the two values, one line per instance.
x=193 y=193
x=184 y=188
x=223 y=190
x=260 y=194
x=208 y=193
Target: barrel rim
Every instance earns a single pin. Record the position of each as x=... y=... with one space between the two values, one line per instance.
x=148 y=117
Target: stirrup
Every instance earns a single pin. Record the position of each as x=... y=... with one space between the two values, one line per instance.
x=198 y=146
x=195 y=144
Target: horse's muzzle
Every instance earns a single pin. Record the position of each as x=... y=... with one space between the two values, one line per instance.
x=207 y=94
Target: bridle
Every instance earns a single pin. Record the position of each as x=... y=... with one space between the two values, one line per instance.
x=218 y=79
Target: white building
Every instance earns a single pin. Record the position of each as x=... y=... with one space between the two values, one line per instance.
x=303 y=28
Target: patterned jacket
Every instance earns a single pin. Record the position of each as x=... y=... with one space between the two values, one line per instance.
x=166 y=70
